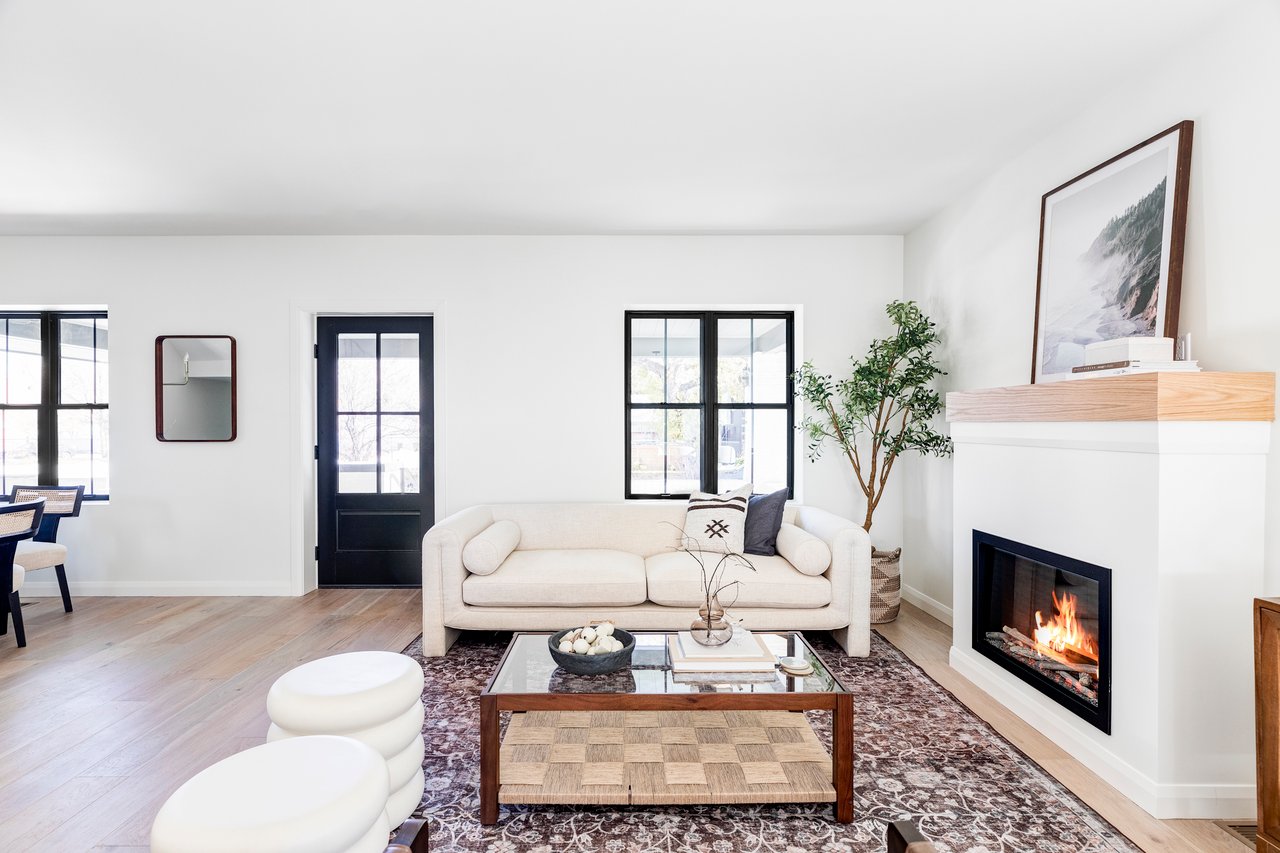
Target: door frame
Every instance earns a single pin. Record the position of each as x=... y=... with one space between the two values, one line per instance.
x=303 y=521
x=329 y=496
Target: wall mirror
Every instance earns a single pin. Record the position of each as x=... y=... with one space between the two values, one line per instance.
x=196 y=388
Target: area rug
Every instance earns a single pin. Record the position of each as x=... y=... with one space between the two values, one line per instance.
x=920 y=755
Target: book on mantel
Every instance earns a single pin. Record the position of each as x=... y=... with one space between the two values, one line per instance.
x=1123 y=368
x=745 y=652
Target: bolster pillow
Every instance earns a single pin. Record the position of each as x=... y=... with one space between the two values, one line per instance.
x=487 y=549
x=806 y=552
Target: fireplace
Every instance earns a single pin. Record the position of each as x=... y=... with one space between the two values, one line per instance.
x=1046 y=619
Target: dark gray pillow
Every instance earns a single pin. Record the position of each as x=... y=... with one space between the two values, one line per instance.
x=764 y=518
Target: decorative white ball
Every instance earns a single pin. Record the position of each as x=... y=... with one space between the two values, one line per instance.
x=606 y=629
x=594 y=650
x=589 y=634
x=580 y=646
x=566 y=646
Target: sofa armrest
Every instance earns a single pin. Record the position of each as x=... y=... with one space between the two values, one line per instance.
x=443 y=573
x=850 y=572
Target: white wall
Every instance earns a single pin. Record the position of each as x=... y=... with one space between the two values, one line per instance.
x=973 y=266
x=529 y=374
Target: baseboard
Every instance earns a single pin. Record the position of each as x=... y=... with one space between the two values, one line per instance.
x=932 y=606
x=1162 y=801
x=42 y=589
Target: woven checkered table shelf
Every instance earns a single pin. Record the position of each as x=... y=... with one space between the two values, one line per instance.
x=663 y=757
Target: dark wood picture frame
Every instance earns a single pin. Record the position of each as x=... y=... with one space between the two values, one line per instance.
x=1177 y=238
x=160 y=339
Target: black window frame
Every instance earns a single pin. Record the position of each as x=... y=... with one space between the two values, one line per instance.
x=51 y=392
x=709 y=405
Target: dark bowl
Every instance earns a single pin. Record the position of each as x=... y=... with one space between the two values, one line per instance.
x=593 y=664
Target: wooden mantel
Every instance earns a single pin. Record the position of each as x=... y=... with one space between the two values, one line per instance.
x=1205 y=396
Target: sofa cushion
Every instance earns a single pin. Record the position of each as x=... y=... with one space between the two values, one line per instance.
x=573 y=578
x=764 y=517
x=676 y=581
x=806 y=552
x=717 y=522
x=486 y=551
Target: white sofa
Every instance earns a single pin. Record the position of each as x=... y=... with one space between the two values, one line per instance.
x=581 y=561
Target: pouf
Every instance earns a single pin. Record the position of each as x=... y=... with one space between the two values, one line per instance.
x=345 y=693
x=401 y=803
x=317 y=794
x=374 y=697
x=389 y=738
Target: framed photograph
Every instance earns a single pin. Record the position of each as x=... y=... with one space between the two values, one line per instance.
x=1111 y=253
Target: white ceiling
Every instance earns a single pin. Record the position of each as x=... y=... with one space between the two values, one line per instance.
x=539 y=116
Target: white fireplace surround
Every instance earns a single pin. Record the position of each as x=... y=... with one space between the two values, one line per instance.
x=1175 y=510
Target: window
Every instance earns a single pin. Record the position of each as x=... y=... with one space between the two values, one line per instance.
x=53 y=401
x=709 y=401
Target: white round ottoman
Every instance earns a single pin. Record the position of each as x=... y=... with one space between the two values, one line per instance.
x=374 y=697
x=318 y=794
x=345 y=693
x=388 y=738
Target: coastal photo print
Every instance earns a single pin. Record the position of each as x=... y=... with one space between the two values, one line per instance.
x=1111 y=253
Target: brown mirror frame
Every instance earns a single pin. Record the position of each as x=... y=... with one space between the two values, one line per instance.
x=160 y=339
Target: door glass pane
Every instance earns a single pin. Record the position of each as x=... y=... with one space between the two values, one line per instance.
x=357 y=373
x=753 y=449
x=357 y=453
x=665 y=451
x=399 y=366
x=21 y=465
x=752 y=360
x=400 y=453
x=76 y=351
x=666 y=359
x=21 y=344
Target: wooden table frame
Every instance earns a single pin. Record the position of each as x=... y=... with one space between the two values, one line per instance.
x=840 y=704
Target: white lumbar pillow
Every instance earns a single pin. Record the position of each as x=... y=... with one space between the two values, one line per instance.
x=489 y=548
x=806 y=552
x=717 y=522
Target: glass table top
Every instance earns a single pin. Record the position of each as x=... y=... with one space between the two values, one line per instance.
x=528 y=667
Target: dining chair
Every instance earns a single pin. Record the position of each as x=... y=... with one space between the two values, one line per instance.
x=18 y=523
x=44 y=552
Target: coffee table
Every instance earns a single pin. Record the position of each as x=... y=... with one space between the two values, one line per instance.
x=645 y=735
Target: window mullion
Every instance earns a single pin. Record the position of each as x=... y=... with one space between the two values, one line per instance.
x=710 y=414
x=47 y=419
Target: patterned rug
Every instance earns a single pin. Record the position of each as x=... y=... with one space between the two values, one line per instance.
x=920 y=754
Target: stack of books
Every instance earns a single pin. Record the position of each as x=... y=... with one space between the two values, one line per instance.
x=1123 y=356
x=744 y=653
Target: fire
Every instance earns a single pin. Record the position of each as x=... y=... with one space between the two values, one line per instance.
x=1063 y=631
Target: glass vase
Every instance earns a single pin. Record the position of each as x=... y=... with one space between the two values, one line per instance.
x=711 y=628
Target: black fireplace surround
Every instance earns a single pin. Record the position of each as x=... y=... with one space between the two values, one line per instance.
x=1017 y=588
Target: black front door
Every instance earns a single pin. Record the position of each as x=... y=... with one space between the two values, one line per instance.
x=375 y=473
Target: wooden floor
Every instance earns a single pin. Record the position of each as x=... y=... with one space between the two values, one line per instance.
x=111 y=708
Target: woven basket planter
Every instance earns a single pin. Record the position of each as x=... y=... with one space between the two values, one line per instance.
x=886 y=585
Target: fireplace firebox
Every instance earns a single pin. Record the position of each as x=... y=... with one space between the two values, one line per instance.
x=1046 y=619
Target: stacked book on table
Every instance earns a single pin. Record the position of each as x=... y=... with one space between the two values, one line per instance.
x=1123 y=356
x=745 y=654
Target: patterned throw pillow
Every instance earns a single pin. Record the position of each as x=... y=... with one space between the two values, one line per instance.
x=717 y=522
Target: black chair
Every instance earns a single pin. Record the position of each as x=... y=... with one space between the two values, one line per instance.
x=44 y=552
x=18 y=522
